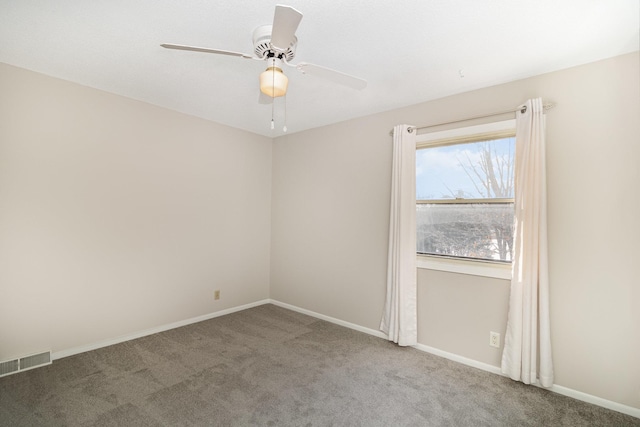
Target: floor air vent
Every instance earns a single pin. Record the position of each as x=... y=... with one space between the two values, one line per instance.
x=24 y=363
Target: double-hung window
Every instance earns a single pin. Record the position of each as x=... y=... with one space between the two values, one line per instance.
x=465 y=194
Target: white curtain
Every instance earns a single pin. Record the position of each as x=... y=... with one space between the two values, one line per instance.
x=527 y=348
x=399 y=320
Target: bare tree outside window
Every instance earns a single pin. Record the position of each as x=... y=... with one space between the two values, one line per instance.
x=465 y=200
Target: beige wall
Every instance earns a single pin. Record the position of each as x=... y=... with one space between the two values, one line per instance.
x=330 y=221
x=117 y=216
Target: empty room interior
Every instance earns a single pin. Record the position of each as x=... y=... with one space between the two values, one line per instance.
x=145 y=189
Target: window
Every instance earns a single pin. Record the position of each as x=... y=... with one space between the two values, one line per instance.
x=464 y=192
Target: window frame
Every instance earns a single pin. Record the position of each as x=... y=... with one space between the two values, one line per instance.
x=476 y=133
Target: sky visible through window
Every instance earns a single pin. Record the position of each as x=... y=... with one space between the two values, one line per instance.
x=443 y=172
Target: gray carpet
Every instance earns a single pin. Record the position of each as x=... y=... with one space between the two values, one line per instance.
x=273 y=367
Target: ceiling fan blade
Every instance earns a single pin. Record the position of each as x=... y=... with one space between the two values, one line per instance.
x=332 y=75
x=285 y=23
x=205 y=50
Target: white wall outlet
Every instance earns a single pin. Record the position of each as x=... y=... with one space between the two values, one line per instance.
x=216 y=295
x=494 y=339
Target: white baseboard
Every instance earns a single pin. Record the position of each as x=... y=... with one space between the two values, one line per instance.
x=458 y=359
x=151 y=331
x=565 y=391
x=575 y=394
x=595 y=400
x=349 y=325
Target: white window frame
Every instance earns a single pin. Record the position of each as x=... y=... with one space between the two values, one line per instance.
x=484 y=268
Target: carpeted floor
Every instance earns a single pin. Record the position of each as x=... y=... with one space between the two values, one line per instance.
x=274 y=367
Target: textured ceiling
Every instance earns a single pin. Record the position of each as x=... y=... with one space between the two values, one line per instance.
x=408 y=51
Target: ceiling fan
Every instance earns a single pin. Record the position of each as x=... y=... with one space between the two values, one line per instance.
x=276 y=44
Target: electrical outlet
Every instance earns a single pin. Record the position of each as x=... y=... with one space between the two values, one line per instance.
x=216 y=295
x=494 y=339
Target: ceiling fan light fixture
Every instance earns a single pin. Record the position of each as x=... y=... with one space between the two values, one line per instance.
x=273 y=82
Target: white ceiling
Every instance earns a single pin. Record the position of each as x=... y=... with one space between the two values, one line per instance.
x=409 y=51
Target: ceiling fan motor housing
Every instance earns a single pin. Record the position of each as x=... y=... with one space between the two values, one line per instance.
x=262 y=45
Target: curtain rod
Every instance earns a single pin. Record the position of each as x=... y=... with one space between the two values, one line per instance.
x=545 y=107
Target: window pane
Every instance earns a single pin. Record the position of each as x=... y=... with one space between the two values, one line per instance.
x=483 y=231
x=476 y=170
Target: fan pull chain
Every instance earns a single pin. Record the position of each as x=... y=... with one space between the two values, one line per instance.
x=273 y=93
x=284 y=129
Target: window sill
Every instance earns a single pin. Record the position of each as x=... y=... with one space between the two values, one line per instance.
x=474 y=268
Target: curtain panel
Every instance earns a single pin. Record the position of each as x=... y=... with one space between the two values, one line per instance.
x=527 y=349
x=399 y=320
